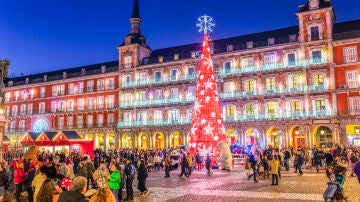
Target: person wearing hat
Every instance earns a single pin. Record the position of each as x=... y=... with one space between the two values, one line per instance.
x=28 y=180
x=39 y=178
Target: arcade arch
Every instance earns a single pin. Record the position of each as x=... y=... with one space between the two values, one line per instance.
x=128 y=141
x=297 y=137
x=143 y=141
x=159 y=140
x=323 y=137
x=275 y=137
x=232 y=136
x=175 y=139
x=252 y=135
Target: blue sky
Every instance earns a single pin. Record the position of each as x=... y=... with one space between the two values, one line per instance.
x=43 y=35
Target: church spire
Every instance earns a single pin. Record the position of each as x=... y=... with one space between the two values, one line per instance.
x=135 y=13
x=135 y=19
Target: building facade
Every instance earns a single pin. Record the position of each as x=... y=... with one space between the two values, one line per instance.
x=294 y=86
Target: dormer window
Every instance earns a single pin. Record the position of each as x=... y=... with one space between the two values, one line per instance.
x=193 y=54
x=82 y=72
x=10 y=83
x=250 y=44
x=271 y=41
x=176 y=56
x=161 y=59
x=103 y=68
x=229 y=48
x=292 y=38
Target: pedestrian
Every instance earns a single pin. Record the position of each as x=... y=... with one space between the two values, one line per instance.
x=89 y=172
x=247 y=165
x=208 y=164
x=157 y=161
x=286 y=159
x=28 y=180
x=357 y=169
x=198 y=160
x=253 y=165
x=19 y=177
x=352 y=161
x=48 y=192
x=300 y=162
x=39 y=178
x=142 y=175
x=274 y=167
x=77 y=193
x=101 y=175
x=167 y=166
x=129 y=172
x=317 y=159
x=62 y=168
x=69 y=170
x=115 y=180
x=190 y=160
x=103 y=195
x=82 y=171
x=184 y=166
x=266 y=166
x=3 y=180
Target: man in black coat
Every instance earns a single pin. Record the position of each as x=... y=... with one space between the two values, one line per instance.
x=77 y=194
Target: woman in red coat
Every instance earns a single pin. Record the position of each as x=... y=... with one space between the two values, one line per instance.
x=19 y=176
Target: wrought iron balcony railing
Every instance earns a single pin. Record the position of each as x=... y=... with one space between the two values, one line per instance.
x=155 y=102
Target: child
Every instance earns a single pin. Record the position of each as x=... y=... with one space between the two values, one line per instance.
x=275 y=164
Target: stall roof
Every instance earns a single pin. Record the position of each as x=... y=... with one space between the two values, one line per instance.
x=71 y=135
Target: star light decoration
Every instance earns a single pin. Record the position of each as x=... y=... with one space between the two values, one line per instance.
x=207 y=126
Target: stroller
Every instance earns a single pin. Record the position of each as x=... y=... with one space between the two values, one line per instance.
x=334 y=191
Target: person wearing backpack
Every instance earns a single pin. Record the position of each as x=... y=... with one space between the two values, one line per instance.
x=3 y=180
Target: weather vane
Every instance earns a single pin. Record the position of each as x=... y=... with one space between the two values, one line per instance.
x=205 y=24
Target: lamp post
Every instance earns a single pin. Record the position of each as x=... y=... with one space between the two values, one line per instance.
x=4 y=66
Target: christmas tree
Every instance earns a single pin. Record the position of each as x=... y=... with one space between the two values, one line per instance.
x=207 y=126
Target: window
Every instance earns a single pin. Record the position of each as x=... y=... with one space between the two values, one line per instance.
x=30 y=109
x=42 y=108
x=250 y=109
x=141 y=116
x=54 y=91
x=293 y=82
x=110 y=119
x=158 y=115
x=250 y=44
x=141 y=95
x=352 y=79
x=127 y=97
x=100 y=102
x=228 y=87
x=71 y=88
x=70 y=121
x=229 y=48
x=22 y=109
x=127 y=61
x=173 y=74
x=143 y=76
x=16 y=95
x=53 y=106
x=91 y=103
x=42 y=92
x=70 y=105
x=230 y=111
x=250 y=86
x=22 y=125
x=158 y=76
x=191 y=71
x=23 y=95
x=174 y=116
x=191 y=91
x=247 y=62
x=158 y=94
x=269 y=59
x=100 y=120
x=318 y=79
x=189 y=113
x=295 y=106
x=127 y=80
x=7 y=111
x=110 y=84
x=270 y=83
x=314 y=33
x=161 y=59
x=61 y=123
x=100 y=84
x=90 y=86
x=350 y=54
x=81 y=87
x=79 y=121
x=227 y=67
x=89 y=120
x=176 y=56
x=271 y=108
x=320 y=105
x=127 y=117
x=110 y=101
x=61 y=89
x=7 y=97
x=316 y=57
x=14 y=110
x=12 y=125
x=80 y=104
x=354 y=105
x=291 y=59
x=271 y=41
x=174 y=92
x=61 y=106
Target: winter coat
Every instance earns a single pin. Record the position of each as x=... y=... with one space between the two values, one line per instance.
x=300 y=159
x=198 y=158
x=72 y=196
x=28 y=179
x=70 y=171
x=4 y=178
x=89 y=169
x=63 y=170
x=82 y=172
x=357 y=170
x=115 y=180
x=19 y=175
x=275 y=164
x=142 y=175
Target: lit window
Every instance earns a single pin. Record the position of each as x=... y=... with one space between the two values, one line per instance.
x=295 y=106
x=350 y=54
x=161 y=59
x=250 y=85
x=314 y=33
x=230 y=111
x=229 y=48
x=250 y=109
x=318 y=79
x=176 y=56
x=270 y=83
x=320 y=105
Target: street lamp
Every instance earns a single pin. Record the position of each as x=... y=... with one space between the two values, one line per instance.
x=322 y=132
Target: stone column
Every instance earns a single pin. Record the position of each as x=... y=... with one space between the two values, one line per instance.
x=106 y=142
x=96 y=141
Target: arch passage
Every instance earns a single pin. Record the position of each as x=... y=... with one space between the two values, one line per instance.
x=143 y=141
x=252 y=135
x=128 y=141
x=175 y=139
x=323 y=137
x=275 y=137
x=159 y=140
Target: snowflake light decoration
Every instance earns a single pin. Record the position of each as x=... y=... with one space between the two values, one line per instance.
x=205 y=24
x=41 y=125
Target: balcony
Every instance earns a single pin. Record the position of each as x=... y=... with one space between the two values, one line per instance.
x=110 y=87
x=155 y=102
x=138 y=83
x=90 y=89
x=130 y=124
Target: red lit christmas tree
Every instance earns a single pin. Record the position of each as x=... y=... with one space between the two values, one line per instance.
x=207 y=126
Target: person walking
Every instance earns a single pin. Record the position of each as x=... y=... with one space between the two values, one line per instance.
x=287 y=159
x=82 y=170
x=129 y=172
x=3 y=180
x=115 y=180
x=190 y=160
x=157 y=162
x=167 y=166
x=48 y=192
x=352 y=161
x=198 y=160
x=274 y=168
x=253 y=165
x=142 y=175
x=300 y=162
x=184 y=166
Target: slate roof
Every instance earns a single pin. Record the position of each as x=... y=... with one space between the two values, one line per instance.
x=71 y=135
x=322 y=4
x=136 y=12
x=346 y=30
x=6 y=139
x=58 y=74
x=51 y=135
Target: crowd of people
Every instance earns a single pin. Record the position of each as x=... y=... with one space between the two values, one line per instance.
x=74 y=177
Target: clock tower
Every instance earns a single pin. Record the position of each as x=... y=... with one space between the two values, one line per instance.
x=313 y=4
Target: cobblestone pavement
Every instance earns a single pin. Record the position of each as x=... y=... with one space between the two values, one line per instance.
x=233 y=186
